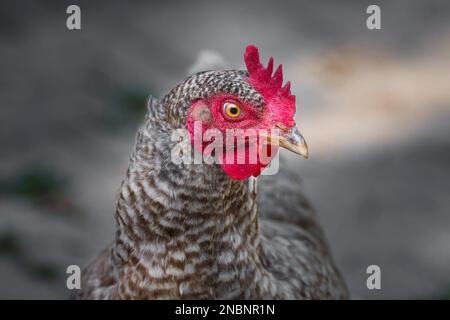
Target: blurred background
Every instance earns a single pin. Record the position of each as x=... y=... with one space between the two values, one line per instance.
x=374 y=108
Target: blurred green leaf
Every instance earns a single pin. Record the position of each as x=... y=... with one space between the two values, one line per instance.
x=128 y=107
x=37 y=182
x=133 y=102
x=9 y=243
x=43 y=271
x=443 y=295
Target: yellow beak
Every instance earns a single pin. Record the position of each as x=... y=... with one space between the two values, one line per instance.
x=290 y=139
x=294 y=141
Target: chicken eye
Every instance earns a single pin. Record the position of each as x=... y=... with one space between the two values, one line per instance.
x=231 y=110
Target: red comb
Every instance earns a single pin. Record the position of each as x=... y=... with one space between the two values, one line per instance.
x=270 y=86
x=263 y=76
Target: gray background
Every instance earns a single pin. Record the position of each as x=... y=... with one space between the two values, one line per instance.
x=373 y=105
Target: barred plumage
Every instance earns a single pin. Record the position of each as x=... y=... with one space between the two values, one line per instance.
x=192 y=232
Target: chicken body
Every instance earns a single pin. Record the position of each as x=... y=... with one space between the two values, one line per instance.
x=189 y=231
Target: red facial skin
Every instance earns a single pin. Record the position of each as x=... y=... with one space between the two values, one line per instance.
x=250 y=119
x=279 y=111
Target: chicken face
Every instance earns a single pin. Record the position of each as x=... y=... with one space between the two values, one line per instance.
x=246 y=118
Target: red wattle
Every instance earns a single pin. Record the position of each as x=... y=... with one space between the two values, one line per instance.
x=242 y=171
x=239 y=171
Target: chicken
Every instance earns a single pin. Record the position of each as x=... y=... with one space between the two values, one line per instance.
x=199 y=230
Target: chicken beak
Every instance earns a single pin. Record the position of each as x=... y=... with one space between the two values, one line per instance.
x=293 y=140
x=290 y=139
